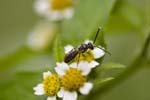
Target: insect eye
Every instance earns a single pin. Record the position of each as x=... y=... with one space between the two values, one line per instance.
x=90 y=45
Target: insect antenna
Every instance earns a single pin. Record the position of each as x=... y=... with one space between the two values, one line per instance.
x=98 y=31
x=103 y=50
x=97 y=34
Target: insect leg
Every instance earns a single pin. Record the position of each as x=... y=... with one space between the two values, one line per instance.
x=78 y=59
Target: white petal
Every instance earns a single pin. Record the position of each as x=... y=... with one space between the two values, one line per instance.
x=45 y=74
x=61 y=68
x=39 y=90
x=51 y=98
x=87 y=41
x=73 y=65
x=86 y=88
x=98 y=52
x=61 y=93
x=70 y=95
x=41 y=7
x=84 y=67
x=68 y=48
x=93 y=64
x=68 y=13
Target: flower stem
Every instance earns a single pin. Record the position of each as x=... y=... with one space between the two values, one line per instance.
x=59 y=27
x=58 y=48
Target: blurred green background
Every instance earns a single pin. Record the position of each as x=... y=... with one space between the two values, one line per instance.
x=125 y=22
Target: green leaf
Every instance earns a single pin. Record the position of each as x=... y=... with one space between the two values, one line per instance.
x=110 y=66
x=21 y=54
x=103 y=81
x=110 y=70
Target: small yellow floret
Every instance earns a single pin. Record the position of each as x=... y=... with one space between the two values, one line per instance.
x=61 y=4
x=73 y=79
x=86 y=56
x=51 y=85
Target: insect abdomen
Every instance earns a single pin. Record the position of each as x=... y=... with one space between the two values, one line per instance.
x=70 y=56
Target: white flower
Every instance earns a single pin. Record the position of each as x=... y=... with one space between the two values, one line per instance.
x=44 y=88
x=90 y=55
x=97 y=52
x=73 y=78
x=55 y=9
x=41 y=36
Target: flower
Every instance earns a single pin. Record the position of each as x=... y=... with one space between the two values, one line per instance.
x=89 y=55
x=50 y=86
x=41 y=37
x=73 y=79
x=54 y=9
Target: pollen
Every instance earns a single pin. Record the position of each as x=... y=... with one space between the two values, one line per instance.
x=51 y=85
x=61 y=4
x=73 y=79
x=86 y=56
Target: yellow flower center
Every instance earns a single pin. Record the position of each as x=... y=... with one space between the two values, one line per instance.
x=61 y=4
x=73 y=79
x=86 y=56
x=51 y=85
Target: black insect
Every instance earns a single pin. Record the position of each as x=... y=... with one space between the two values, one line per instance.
x=81 y=49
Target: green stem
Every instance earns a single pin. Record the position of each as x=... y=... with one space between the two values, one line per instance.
x=58 y=48
x=136 y=65
x=59 y=27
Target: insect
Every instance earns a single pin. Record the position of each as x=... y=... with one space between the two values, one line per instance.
x=82 y=48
